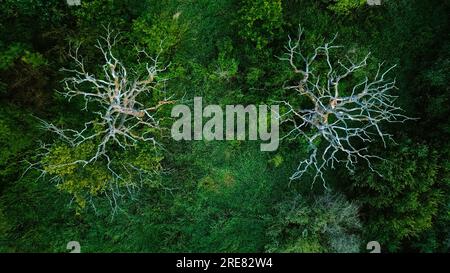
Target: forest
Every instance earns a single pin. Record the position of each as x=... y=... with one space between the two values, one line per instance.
x=87 y=96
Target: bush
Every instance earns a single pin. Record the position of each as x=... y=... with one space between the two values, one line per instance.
x=327 y=224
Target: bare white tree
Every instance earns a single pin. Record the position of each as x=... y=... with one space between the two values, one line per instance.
x=119 y=99
x=344 y=115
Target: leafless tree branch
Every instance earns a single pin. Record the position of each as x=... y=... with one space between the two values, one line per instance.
x=122 y=115
x=341 y=117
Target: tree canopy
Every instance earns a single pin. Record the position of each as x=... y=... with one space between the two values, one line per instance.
x=68 y=173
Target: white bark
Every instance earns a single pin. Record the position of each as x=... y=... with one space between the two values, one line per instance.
x=341 y=118
x=122 y=115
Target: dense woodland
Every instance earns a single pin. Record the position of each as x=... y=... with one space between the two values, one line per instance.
x=220 y=196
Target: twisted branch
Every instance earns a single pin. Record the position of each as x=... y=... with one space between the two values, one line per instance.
x=340 y=116
x=122 y=117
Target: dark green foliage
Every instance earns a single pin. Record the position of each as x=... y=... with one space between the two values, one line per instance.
x=223 y=196
x=327 y=224
x=16 y=140
x=404 y=202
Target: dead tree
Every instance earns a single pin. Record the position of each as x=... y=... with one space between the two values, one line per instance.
x=118 y=94
x=120 y=97
x=343 y=119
